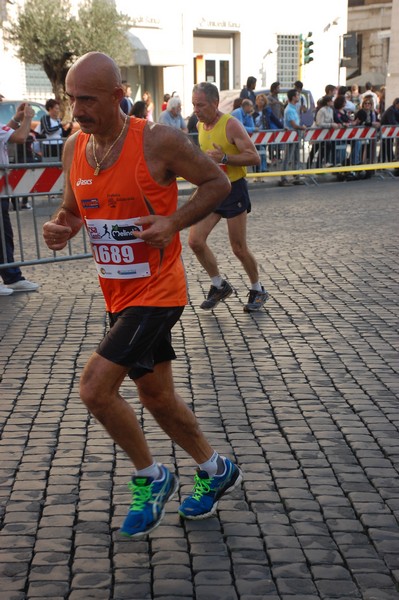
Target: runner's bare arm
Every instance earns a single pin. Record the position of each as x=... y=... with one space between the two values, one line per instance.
x=170 y=154
x=67 y=220
x=237 y=135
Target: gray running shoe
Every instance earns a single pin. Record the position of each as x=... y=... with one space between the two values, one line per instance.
x=215 y=295
x=256 y=300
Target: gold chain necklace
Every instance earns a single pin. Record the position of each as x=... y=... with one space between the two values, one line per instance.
x=98 y=164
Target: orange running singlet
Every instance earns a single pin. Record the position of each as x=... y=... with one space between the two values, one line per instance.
x=131 y=273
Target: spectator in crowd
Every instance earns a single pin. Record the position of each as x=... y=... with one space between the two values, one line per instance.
x=301 y=106
x=172 y=115
x=247 y=91
x=381 y=101
x=368 y=91
x=192 y=127
x=244 y=115
x=343 y=91
x=237 y=103
x=325 y=119
x=367 y=114
x=355 y=96
x=342 y=118
x=330 y=90
x=126 y=102
x=389 y=117
x=143 y=283
x=259 y=115
x=139 y=110
x=26 y=153
x=261 y=121
x=165 y=102
x=365 y=152
x=264 y=119
x=291 y=154
x=150 y=106
x=192 y=123
x=350 y=106
x=315 y=146
x=273 y=100
x=15 y=131
x=52 y=131
x=225 y=140
x=277 y=108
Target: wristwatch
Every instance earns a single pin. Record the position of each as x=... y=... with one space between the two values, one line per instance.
x=224 y=159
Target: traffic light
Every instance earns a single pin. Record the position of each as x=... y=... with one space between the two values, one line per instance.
x=307 y=49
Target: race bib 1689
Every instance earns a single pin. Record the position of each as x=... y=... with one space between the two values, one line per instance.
x=118 y=254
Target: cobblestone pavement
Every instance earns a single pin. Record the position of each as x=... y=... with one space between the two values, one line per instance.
x=304 y=395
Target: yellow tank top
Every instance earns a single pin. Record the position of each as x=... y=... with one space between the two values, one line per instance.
x=218 y=136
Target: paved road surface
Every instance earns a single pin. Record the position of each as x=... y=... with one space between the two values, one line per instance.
x=303 y=395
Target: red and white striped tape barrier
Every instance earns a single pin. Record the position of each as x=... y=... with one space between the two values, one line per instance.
x=389 y=131
x=282 y=136
x=347 y=133
x=277 y=136
x=31 y=181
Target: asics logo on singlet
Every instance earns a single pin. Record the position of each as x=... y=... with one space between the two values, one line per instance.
x=84 y=182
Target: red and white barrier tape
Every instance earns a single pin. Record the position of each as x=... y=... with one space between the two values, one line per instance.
x=30 y=181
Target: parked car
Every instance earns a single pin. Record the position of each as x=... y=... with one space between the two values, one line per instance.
x=25 y=152
x=8 y=108
x=227 y=98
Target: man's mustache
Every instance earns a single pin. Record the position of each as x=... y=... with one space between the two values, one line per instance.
x=83 y=120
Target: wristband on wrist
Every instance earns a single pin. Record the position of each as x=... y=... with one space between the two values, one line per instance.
x=15 y=121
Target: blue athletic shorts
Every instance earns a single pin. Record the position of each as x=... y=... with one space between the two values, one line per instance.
x=140 y=338
x=237 y=201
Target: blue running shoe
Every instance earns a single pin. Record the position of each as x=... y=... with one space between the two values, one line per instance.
x=208 y=490
x=149 y=497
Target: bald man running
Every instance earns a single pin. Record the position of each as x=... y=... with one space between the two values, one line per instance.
x=120 y=177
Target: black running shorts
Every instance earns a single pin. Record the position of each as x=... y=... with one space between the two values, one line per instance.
x=237 y=201
x=140 y=337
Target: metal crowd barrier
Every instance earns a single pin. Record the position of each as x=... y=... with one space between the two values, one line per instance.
x=34 y=151
x=320 y=150
x=34 y=192
x=308 y=153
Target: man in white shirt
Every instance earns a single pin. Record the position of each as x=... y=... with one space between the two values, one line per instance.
x=172 y=115
x=15 y=131
x=369 y=92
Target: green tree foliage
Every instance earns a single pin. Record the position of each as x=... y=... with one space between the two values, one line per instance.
x=55 y=38
x=102 y=28
x=47 y=38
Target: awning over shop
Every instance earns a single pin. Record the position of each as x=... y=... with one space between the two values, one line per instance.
x=374 y=78
x=152 y=47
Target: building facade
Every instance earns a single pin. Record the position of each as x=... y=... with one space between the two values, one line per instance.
x=375 y=25
x=175 y=46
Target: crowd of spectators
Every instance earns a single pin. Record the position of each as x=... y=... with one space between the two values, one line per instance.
x=339 y=107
